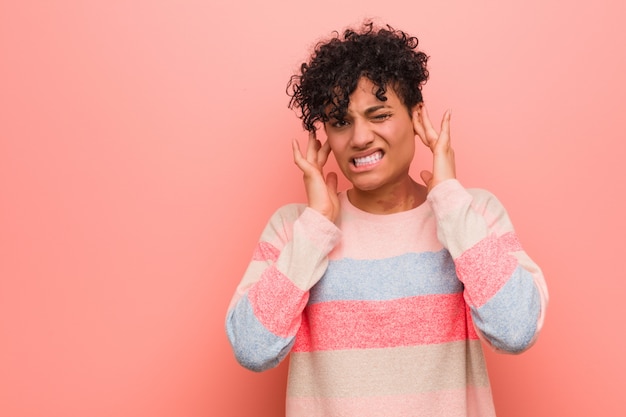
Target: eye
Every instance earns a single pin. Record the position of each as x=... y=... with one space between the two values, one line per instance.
x=338 y=123
x=381 y=117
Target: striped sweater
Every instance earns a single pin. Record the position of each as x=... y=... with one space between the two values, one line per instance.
x=383 y=315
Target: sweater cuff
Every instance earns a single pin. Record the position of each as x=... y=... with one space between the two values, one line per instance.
x=320 y=231
x=447 y=196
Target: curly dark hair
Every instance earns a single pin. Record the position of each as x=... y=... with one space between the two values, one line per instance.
x=386 y=56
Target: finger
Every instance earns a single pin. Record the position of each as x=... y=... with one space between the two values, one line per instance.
x=428 y=133
x=295 y=146
x=331 y=182
x=297 y=155
x=304 y=165
x=322 y=154
x=428 y=126
x=418 y=128
x=444 y=136
x=426 y=176
x=312 y=147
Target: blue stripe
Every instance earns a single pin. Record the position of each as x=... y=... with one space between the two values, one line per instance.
x=407 y=275
x=509 y=318
x=255 y=347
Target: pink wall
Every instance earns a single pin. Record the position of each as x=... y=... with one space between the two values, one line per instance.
x=143 y=144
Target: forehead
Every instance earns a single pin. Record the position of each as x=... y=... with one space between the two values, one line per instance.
x=364 y=96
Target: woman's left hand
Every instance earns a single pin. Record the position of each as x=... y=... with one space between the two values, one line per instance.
x=438 y=143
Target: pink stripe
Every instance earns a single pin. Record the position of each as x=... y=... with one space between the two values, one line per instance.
x=511 y=242
x=408 y=321
x=486 y=266
x=465 y=402
x=265 y=252
x=277 y=302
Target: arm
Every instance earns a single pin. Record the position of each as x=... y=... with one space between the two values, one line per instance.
x=504 y=288
x=292 y=255
x=265 y=313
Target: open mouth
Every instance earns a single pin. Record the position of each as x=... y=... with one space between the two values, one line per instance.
x=368 y=160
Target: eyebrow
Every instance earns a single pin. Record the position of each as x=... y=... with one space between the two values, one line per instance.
x=370 y=110
x=374 y=109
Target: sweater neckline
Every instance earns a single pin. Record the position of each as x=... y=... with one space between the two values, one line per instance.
x=350 y=208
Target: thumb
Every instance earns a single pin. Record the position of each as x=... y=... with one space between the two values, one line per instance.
x=331 y=182
x=427 y=176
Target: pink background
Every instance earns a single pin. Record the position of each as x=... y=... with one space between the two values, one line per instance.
x=143 y=145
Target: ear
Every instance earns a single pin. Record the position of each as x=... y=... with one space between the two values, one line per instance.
x=416 y=113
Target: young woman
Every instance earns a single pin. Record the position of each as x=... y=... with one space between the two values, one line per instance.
x=382 y=293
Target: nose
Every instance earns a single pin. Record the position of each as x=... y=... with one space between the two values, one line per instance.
x=362 y=134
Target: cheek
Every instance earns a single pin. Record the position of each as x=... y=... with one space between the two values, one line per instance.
x=405 y=137
x=337 y=147
x=408 y=146
x=407 y=151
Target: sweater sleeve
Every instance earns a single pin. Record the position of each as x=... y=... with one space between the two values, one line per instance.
x=265 y=312
x=505 y=290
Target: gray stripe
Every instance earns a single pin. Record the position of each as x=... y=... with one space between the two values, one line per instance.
x=407 y=275
x=509 y=318
x=255 y=347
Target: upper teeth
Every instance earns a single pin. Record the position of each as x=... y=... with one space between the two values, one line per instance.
x=370 y=159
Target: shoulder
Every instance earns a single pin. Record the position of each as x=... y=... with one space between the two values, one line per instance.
x=298 y=218
x=451 y=195
x=288 y=213
x=481 y=194
x=489 y=206
x=280 y=224
x=485 y=198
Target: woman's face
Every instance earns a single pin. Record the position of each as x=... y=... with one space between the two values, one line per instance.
x=374 y=143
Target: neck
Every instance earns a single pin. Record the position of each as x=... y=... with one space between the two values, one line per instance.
x=394 y=198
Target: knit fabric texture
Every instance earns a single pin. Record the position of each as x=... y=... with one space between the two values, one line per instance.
x=386 y=315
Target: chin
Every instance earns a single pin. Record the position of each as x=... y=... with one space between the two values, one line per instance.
x=366 y=185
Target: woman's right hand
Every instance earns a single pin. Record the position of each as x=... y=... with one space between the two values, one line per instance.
x=321 y=192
